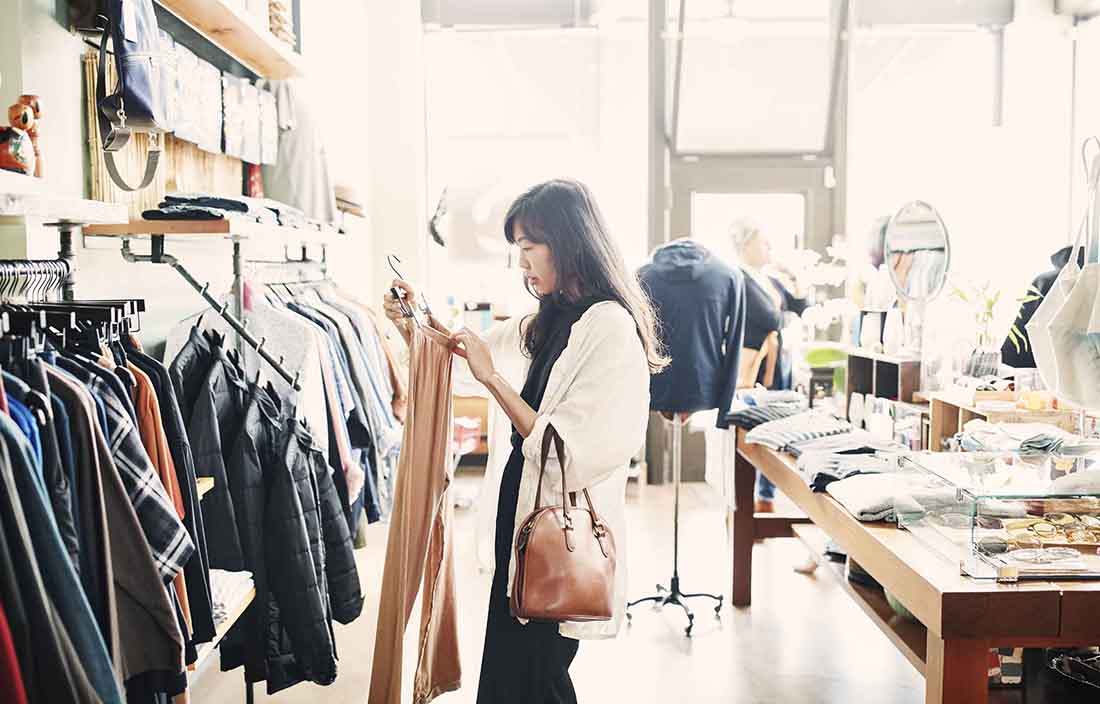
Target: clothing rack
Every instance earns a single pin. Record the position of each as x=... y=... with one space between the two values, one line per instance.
x=234 y=229
x=159 y=256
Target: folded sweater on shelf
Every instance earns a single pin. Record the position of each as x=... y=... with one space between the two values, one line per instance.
x=858 y=441
x=823 y=468
x=781 y=434
x=748 y=417
x=228 y=589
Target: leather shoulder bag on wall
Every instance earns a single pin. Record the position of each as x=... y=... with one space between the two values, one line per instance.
x=137 y=103
x=565 y=556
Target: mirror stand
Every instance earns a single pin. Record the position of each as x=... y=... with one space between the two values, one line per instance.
x=914 y=330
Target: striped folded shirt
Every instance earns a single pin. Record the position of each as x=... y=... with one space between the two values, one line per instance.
x=752 y=416
x=779 y=434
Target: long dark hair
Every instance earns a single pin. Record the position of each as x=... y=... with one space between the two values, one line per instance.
x=563 y=215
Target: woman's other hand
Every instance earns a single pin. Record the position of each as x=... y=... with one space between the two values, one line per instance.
x=477 y=354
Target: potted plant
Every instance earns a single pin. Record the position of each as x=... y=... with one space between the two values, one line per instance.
x=985 y=358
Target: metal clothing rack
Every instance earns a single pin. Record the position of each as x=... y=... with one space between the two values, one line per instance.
x=304 y=261
x=157 y=255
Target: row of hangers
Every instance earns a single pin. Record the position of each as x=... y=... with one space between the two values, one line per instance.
x=28 y=320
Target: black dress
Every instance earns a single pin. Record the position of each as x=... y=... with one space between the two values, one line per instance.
x=526 y=663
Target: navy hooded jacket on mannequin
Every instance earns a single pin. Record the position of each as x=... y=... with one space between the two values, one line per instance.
x=700 y=303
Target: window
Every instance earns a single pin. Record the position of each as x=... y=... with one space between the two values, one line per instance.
x=757 y=77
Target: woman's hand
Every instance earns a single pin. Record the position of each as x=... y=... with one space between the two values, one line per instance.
x=477 y=354
x=392 y=306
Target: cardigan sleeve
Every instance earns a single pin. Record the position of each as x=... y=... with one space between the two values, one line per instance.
x=597 y=400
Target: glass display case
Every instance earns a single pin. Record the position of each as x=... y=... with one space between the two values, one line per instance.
x=1005 y=516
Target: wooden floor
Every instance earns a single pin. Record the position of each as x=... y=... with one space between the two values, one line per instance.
x=803 y=642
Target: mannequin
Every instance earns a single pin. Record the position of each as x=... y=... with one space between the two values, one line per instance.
x=700 y=303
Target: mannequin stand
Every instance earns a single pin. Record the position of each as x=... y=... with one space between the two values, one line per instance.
x=673 y=595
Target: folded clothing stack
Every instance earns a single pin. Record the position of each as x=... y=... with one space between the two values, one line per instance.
x=780 y=434
x=878 y=497
x=750 y=417
x=227 y=590
x=766 y=397
x=856 y=442
x=1025 y=438
x=758 y=406
x=201 y=206
x=868 y=497
x=823 y=468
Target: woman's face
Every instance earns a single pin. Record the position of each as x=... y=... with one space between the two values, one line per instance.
x=537 y=263
x=757 y=252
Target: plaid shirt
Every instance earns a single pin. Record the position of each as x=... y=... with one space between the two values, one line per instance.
x=168 y=539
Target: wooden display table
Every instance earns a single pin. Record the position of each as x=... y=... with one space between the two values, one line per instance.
x=950 y=414
x=960 y=618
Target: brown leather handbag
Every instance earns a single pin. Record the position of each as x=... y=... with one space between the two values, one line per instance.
x=565 y=557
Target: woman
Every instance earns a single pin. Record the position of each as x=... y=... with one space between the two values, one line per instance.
x=584 y=361
x=766 y=302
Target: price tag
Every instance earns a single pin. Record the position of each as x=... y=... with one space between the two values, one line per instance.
x=129 y=21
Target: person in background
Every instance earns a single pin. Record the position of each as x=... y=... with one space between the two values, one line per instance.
x=767 y=300
x=1024 y=358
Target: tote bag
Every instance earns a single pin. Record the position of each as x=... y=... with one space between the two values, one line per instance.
x=1038 y=328
x=1075 y=328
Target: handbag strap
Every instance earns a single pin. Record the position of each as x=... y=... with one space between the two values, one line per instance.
x=550 y=435
x=113 y=138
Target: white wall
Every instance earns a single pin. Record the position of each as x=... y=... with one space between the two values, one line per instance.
x=38 y=54
x=921 y=128
x=507 y=110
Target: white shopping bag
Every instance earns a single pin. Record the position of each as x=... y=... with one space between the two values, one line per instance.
x=1038 y=332
x=1075 y=328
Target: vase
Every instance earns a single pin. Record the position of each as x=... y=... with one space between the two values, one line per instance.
x=984 y=360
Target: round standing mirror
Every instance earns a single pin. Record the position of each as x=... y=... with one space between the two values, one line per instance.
x=918 y=252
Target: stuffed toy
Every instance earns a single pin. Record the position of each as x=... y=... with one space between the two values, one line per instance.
x=17 y=149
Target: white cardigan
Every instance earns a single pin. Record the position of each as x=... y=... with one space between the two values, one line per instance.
x=597 y=397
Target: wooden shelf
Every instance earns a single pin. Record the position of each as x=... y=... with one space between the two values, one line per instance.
x=16 y=184
x=204 y=485
x=240 y=228
x=230 y=228
x=240 y=35
x=29 y=200
x=910 y=637
x=949 y=414
x=207 y=649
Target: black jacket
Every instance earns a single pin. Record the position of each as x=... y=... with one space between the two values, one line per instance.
x=1025 y=358
x=300 y=641
x=345 y=595
x=254 y=453
x=699 y=302
x=763 y=317
x=296 y=543
x=215 y=421
x=188 y=370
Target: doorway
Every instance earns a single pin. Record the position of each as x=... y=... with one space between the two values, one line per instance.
x=782 y=216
